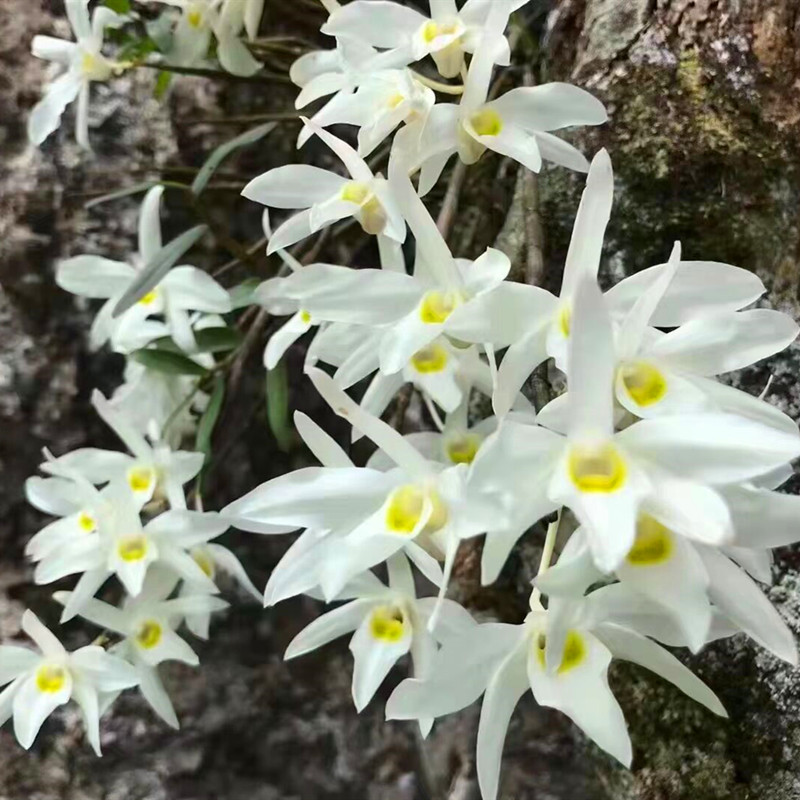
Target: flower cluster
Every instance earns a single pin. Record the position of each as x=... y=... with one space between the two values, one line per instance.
x=657 y=481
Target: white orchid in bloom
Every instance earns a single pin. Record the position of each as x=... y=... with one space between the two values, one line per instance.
x=516 y=125
x=148 y=625
x=38 y=683
x=151 y=471
x=383 y=101
x=562 y=655
x=446 y=35
x=673 y=463
x=84 y=63
x=327 y=197
x=656 y=484
x=537 y=324
x=388 y=622
x=182 y=290
x=202 y=19
x=122 y=546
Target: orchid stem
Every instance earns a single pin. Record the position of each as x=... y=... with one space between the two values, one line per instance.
x=437 y=86
x=547 y=556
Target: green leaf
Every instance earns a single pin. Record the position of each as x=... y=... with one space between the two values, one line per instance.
x=209 y=340
x=224 y=150
x=242 y=295
x=135 y=189
x=169 y=363
x=162 y=84
x=155 y=270
x=120 y=6
x=278 y=407
x=205 y=427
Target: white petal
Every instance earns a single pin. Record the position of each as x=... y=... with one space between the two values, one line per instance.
x=698 y=288
x=93 y=276
x=14 y=661
x=714 y=448
x=720 y=343
x=294 y=186
x=86 y=697
x=32 y=707
x=381 y=23
x=373 y=659
x=235 y=57
x=741 y=600
x=46 y=641
x=46 y=114
x=320 y=443
x=52 y=49
x=297 y=227
x=762 y=518
x=153 y=691
x=192 y=289
x=549 y=107
x=516 y=367
x=150 y=223
x=513 y=142
x=505 y=688
x=631 y=646
x=594 y=211
x=328 y=627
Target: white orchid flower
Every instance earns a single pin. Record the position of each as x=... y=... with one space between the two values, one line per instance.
x=417 y=507
x=151 y=471
x=562 y=655
x=412 y=311
x=238 y=14
x=684 y=577
x=147 y=398
x=671 y=373
x=182 y=290
x=38 y=683
x=121 y=546
x=202 y=19
x=213 y=559
x=446 y=35
x=326 y=196
x=516 y=125
x=148 y=626
x=388 y=622
x=537 y=324
x=84 y=63
x=672 y=462
x=383 y=101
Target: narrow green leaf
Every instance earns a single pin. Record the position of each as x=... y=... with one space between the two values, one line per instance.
x=120 y=6
x=135 y=189
x=207 y=423
x=209 y=340
x=170 y=363
x=158 y=267
x=224 y=150
x=278 y=407
x=162 y=84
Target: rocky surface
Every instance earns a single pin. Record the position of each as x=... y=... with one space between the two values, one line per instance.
x=704 y=98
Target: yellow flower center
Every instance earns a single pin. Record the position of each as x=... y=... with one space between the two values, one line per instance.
x=86 y=522
x=653 y=544
x=564 y=320
x=432 y=358
x=132 y=548
x=354 y=192
x=405 y=509
x=373 y=217
x=643 y=382
x=50 y=678
x=140 y=478
x=597 y=468
x=573 y=654
x=463 y=449
x=437 y=306
x=433 y=29
x=204 y=561
x=195 y=18
x=148 y=634
x=387 y=624
x=486 y=122
x=149 y=298
x=395 y=100
x=305 y=317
